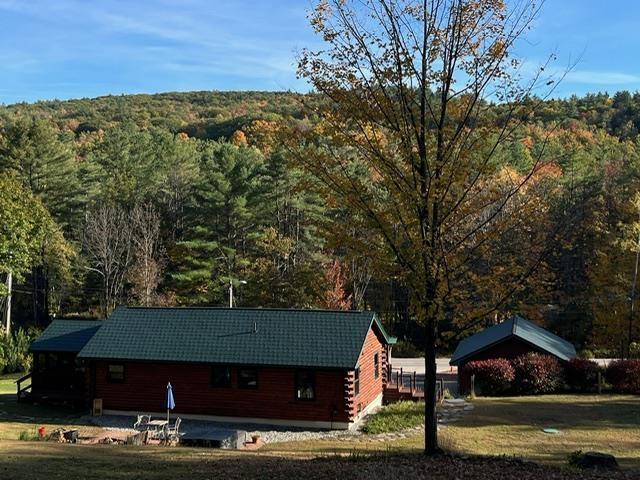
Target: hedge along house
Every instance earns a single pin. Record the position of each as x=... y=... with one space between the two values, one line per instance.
x=311 y=368
x=509 y=339
x=57 y=373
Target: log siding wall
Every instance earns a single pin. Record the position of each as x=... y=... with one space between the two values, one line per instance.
x=144 y=390
x=370 y=387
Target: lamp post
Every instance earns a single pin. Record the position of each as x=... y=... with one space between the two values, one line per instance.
x=241 y=282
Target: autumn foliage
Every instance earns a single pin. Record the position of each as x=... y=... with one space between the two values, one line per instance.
x=335 y=297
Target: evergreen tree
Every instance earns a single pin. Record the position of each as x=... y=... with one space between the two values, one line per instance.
x=32 y=149
x=224 y=210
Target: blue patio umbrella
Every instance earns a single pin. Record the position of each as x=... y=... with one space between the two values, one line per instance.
x=171 y=404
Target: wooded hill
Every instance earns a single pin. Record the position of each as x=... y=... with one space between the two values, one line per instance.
x=165 y=199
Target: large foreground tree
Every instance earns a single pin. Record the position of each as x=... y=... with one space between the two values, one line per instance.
x=408 y=141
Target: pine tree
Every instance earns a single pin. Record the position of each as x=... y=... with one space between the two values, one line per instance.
x=223 y=212
x=33 y=150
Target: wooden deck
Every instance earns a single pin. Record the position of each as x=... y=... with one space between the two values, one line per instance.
x=408 y=385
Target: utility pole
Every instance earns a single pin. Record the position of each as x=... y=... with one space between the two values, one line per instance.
x=241 y=282
x=7 y=328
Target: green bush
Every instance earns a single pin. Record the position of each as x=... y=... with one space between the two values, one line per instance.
x=395 y=417
x=14 y=351
x=537 y=373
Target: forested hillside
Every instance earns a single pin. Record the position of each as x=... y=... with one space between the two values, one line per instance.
x=165 y=199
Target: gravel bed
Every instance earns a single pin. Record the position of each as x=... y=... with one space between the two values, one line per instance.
x=268 y=433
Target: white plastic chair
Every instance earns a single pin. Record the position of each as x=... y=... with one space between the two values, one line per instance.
x=172 y=432
x=142 y=422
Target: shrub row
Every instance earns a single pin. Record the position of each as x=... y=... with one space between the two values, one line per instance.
x=535 y=373
x=624 y=376
x=528 y=374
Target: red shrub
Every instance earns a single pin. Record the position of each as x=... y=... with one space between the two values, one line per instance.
x=624 y=376
x=537 y=373
x=493 y=377
x=581 y=375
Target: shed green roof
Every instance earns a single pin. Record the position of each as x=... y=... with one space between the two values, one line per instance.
x=278 y=337
x=66 y=336
x=518 y=327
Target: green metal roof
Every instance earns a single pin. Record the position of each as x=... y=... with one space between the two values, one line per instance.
x=66 y=336
x=306 y=338
x=518 y=327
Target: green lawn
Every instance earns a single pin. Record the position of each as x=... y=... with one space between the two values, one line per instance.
x=7 y=383
x=513 y=426
x=510 y=426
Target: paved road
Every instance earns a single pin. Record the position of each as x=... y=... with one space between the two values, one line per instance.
x=409 y=365
x=417 y=365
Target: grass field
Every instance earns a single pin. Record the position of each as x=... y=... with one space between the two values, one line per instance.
x=511 y=426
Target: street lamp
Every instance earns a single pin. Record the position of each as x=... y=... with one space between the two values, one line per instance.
x=241 y=282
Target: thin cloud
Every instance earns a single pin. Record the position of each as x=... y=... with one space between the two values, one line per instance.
x=594 y=77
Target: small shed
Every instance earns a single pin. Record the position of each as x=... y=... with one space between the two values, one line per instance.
x=509 y=339
x=57 y=372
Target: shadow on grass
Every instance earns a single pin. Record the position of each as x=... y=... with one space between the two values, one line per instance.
x=29 y=414
x=23 y=461
x=585 y=412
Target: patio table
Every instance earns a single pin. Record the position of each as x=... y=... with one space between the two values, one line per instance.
x=156 y=426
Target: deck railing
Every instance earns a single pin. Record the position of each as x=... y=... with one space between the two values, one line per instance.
x=22 y=391
x=410 y=382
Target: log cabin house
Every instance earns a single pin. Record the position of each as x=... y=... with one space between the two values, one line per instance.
x=308 y=368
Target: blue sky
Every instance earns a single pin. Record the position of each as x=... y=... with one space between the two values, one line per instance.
x=78 y=48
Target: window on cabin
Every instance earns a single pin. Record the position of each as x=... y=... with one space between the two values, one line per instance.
x=221 y=376
x=115 y=373
x=248 y=378
x=356 y=381
x=305 y=385
x=376 y=365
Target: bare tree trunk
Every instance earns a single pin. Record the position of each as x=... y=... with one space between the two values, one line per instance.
x=108 y=243
x=430 y=419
